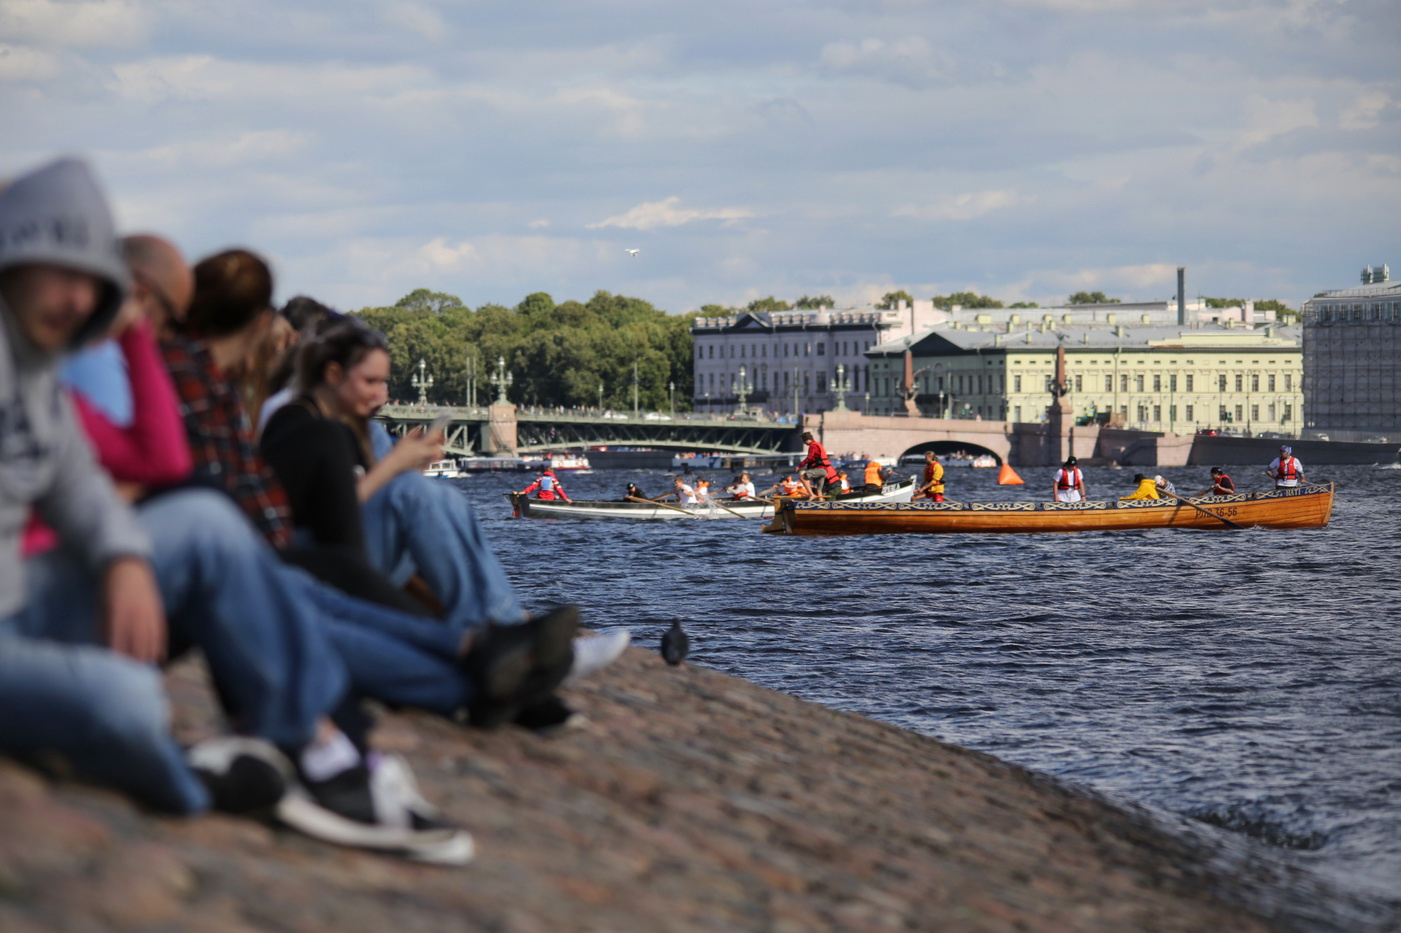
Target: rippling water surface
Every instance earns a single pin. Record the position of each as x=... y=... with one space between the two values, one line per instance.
x=1249 y=679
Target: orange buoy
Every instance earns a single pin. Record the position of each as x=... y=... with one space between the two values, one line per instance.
x=1008 y=476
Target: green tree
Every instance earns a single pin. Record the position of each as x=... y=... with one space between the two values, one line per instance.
x=891 y=299
x=812 y=303
x=1091 y=298
x=966 y=300
x=421 y=299
x=715 y=311
x=1024 y=304
x=769 y=303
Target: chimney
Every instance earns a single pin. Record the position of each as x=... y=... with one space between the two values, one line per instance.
x=1181 y=296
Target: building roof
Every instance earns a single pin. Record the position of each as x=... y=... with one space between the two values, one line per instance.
x=1375 y=290
x=948 y=338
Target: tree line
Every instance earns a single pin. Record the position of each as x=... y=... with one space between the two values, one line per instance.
x=557 y=354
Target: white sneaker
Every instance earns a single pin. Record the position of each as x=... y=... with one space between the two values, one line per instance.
x=595 y=652
x=377 y=808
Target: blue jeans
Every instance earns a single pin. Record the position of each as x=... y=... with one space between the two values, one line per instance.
x=268 y=658
x=104 y=716
x=415 y=524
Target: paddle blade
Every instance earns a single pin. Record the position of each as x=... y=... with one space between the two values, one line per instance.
x=1008 y=476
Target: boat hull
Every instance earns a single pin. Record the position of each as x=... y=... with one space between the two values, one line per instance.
x=1304 y=507
x=526 y=507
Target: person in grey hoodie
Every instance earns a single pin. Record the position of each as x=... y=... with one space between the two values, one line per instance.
x=102 y=711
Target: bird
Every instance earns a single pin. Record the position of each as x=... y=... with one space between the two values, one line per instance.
x=632 y=252
x=676 y=644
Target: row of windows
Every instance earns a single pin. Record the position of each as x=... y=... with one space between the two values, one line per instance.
x=1268 y=382
x=761 y=351
x=1153 y=414
x=1373 y=311
x=858 y=380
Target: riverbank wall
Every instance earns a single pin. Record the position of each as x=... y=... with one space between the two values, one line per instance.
x=690 y=801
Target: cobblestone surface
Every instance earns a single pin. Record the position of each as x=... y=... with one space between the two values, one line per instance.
x=691 y=801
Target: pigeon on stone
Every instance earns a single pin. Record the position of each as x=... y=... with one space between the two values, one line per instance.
x=676 y=644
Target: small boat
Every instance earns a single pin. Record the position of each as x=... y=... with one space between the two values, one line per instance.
x=1301 y=507
x=555 y=462
x=984 y=461
x=527 y=507
x=444 y=469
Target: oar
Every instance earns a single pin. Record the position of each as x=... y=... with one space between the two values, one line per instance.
x=664 y=505
x=1173 y=495
x=728 y=509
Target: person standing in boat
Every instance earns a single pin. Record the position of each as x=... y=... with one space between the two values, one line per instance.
x=1221 y=484
x=1068 y=485
x=932 y=482
x=1286 y=469
x=816 y=469
x=546 y=487
x=875 y=479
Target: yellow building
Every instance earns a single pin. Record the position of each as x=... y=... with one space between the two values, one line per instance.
x=1150 y=377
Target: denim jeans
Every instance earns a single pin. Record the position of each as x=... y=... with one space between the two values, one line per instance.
x=415 y=524
x=224 y=593
x=104 y=716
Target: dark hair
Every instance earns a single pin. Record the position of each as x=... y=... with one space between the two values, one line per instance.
x=346 y=343
x=232 y=289
x=1139 y=477
x=1216 y=470
x=304 y=313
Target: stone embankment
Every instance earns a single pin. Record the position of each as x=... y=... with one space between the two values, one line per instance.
x=692 y=801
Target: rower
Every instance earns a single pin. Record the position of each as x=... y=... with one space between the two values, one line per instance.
x=1221 y=484
x=1068 y=485
x=1286 y=469
x=546 y=488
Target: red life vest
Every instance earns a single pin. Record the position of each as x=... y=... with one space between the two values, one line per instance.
x=1288 y=469
x=1068 y=479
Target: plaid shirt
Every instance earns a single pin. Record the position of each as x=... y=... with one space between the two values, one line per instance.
x=221 y=441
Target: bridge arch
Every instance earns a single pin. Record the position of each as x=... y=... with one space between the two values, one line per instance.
x=947 y=449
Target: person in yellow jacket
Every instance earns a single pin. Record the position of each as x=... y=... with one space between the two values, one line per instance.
x=932 y=483
x=1147 y=488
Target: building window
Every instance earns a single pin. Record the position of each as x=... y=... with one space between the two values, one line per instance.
x=1017 y=413
x=1157 y=413
x=1254 y=382
x=821 y=380
x=1271 y=382
x=1288 y=382
x=1254 y=413
x=712 y=352
x=1272 y=411
x=1172 y=413
x=1142 y=412
x=1079 y=383
x=1240 y=413
x=1016 y=384
x=1109 y=383
x=1172 y=383
x=822 y=349
x=1189 y=389
x=1240 y=383
x=1190 y=416
x=1288 y=413
x=1123 y=383
x=1157 y=384
x=1138 y=383
x=1221 y=383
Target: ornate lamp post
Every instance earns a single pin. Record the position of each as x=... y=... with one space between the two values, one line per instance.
x=671 y=387
x=422 y=382
x=502 y=380
x=841 y=387
x=600 y=398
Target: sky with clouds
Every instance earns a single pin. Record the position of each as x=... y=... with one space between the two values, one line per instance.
x=1024 y=149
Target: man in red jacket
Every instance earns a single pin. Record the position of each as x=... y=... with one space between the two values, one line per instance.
x=816 y=468
x=546 y=488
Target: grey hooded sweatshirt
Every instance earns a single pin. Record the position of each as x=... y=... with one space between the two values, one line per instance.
x=55 y=216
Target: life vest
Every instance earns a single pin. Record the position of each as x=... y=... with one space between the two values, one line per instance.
x=547 y=484
x=1288 y=469
x=817 y=456
x=934 y=474
x=1068 y=479
x=873 y=477
x=1225 y=482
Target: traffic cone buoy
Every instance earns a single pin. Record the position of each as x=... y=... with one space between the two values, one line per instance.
x=1008 y=476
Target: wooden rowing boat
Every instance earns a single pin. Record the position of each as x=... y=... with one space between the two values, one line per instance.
x=1301 y=507
x=527 y=507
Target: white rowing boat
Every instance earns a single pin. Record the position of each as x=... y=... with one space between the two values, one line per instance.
x=527 y=507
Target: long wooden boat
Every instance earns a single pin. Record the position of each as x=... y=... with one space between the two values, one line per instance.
x=527 y=507
x=1301 y=507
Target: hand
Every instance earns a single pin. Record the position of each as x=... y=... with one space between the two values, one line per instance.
x=416 y=450
x=132 y=610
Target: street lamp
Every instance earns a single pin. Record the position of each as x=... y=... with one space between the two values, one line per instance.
x=422 y=382
x=600 y=398
x=671 y=387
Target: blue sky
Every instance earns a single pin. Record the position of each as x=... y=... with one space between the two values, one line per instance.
x=1024 y=149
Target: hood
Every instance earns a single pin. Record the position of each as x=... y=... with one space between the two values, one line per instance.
x=57 y=215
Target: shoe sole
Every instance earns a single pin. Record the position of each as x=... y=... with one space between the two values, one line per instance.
x=620 y=645
x=442 y=846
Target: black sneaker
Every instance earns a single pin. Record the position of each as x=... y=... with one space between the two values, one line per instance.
x=514 y=666
x=549 y=716
x=244 y=776
x=377 y=808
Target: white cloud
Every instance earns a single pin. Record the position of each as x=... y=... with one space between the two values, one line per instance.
x=1364 y=113
x=966 y=206
x=104 y=23
x=1267 y=119
x=21 y=64
x=668 y=213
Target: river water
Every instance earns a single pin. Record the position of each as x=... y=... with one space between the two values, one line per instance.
x=1249 y=679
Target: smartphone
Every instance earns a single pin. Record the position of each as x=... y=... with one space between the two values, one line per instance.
x=440 y=422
